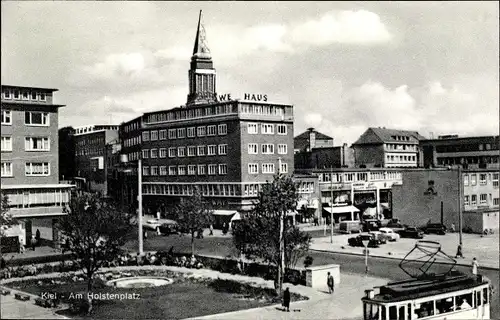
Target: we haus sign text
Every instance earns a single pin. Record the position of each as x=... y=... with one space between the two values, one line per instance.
x=258 y=97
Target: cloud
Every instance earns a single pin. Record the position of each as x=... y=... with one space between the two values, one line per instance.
x=125 y=64
x=346 y=27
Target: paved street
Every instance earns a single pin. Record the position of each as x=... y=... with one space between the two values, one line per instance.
x=15 y=309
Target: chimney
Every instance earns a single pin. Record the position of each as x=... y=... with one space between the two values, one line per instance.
x=312 y=138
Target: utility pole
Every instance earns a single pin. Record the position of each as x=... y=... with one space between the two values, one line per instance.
x=281 y=268
x=460 y=197
x=331 y=204
x=139 y=209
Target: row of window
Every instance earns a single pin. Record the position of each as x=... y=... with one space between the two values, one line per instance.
x=359 y=176
x=30 y=144
x=219 y=189
x=253 y=168
x=401 y=138
x=190 y=170
x=471 y=179
x=30 y=118
x=266 y=128
x=210 y=150
x=266 y=148
x=404 y=147
x=181 y=133
x=400 y=158
x=31 y=169
x=483 y=200
x=190 y=113
x=17 y=94
x=37 y=198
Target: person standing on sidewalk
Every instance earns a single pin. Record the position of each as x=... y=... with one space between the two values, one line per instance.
x=286 y=299
x=211 y=230
x=330 y=283
x=475 y=265
x=459 y=252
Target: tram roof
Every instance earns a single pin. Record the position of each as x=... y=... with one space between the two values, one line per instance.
x=421 y=288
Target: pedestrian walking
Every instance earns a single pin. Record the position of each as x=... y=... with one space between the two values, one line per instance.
x=459 y=252
x=38 y=236
x=452 y=227
x=475 y=265
x=286 y=300
x=33 y=242
x=330 y=283
x=145 y=234
x=211 y=230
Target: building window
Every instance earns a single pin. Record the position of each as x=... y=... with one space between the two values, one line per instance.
x=466 y=179
x=268 y=168
x=222 y=169
x=253 y=168
x=482 y=179
x=37 y=169
x=222 y=149
x=154 y=170
x=211 y=130
x=201 y=150
x=483 y=198
x=172 y=133
x=281 y=128
x=145 y=153
x=191 y=169
x=466 y=200
x=495 y=200
x=36 y=118
x=473 y=200
x=202 y=170
x=473 y=179
x=181 y=133
x=283 y=168
x=42 y=96
x=172 y=170
x=172 y=152
x=154 y=153
x=282 y=149
x=181 y=151
x=163 y=170
x=253 y=148
x=6 y=144
x=191 y=151
x=154 y=135
x=6 y=94
x=163 y=152
x=212 y=150
x=7 y=169
x=201 y=131
x=266 y=128
x=253 y=128
x=191 y=132
x=212 y=169
x=16 y=94
x=26 y=95
x=267 y=148
x=222 y=128
x=163 y=134
x=145 y=171
x=6 y=117
x=181 y=170
x=495 y=180
x=36 y=144
x=145 y=136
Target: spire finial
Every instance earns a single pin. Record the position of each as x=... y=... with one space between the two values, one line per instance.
x=200 y=49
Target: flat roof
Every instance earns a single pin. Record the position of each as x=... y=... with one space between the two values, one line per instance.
x=37 y=104
x=36 y=186
x=26 y=87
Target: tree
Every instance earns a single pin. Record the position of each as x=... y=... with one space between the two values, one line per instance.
x=94 y=231
x=263 y=234
x=193 y=214
x=6 y=219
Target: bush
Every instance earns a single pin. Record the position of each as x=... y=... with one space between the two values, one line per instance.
x=79 y=306
x=308 y=261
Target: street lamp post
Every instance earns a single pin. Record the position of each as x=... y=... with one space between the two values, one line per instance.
x=365 y=243
x=139 y=209
x=331 y=204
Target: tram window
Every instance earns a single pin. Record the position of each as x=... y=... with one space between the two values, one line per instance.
x=478 y=298
x=425 y=309
x=485 y=295
x=393 y=313
x=464 y=301
x=383 y=312
x=371 y=311
x=402 y=313
x=444 y=305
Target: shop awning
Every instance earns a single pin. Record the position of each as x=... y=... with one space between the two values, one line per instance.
x=224 y=212
x=236 y=216
x=341 y=209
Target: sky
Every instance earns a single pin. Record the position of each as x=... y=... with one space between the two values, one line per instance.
x=431 y=67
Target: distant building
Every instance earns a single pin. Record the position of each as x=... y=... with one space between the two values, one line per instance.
x=469 y=152
x=66 y=154
x=387 y=148
x=438 y=195
x=30 y=168
x=91 y=156
x=313 y=149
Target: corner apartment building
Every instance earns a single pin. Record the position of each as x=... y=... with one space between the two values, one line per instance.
x=469 y=152
x=439 y=195
x=30 y=168
x=91 y=165
x=387 y=148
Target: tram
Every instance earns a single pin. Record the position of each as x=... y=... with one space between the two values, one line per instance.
x=449 y=295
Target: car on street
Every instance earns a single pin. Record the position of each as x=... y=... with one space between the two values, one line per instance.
x=381 y=237
x=411 y=232
x=395 y=226
x=436 y=228
x=358 y=241
x=389 y=234
x=169 y=227
x=371 y=225
x=152 y=224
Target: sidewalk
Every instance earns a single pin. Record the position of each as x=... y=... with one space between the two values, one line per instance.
x=485 y=249
x=16 y=309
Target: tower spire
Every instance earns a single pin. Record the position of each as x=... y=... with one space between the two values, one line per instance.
x=202 y=73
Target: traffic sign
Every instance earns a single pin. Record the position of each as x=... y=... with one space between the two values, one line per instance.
x=365 y=242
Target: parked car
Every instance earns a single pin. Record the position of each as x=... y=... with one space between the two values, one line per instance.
x=152 y=224
x=395 y=226
x=436 y=228
x=169 y=227
x=412 y=232
x=358 y=241
x=350 y=227
x=389 y=234
x=371 y=225
x=381 y=237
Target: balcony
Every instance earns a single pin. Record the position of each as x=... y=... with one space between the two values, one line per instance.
x=36 y=212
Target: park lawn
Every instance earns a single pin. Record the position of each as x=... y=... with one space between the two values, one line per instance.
x=178 y=300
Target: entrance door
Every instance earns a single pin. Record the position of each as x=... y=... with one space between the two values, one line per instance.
x=28 y=227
